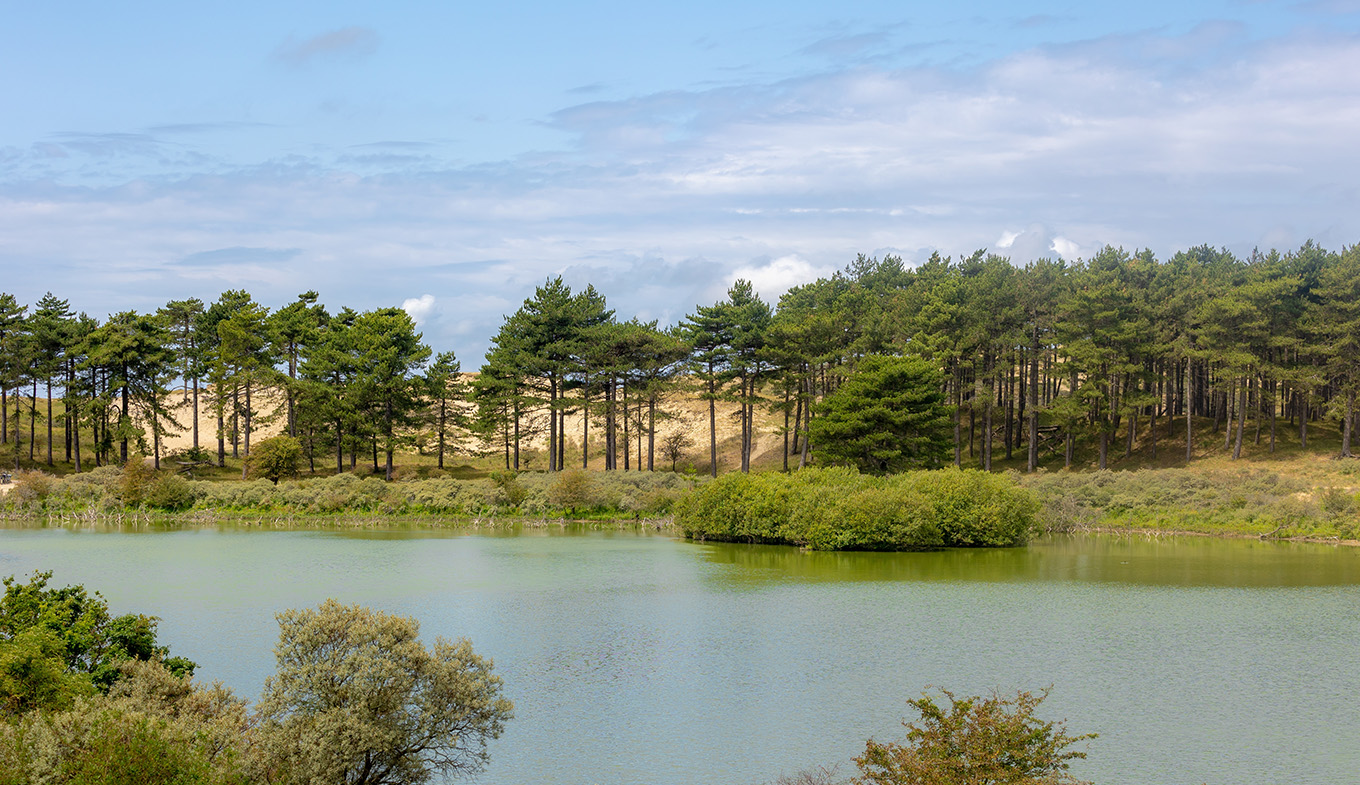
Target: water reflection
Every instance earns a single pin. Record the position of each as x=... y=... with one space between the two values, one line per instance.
x=1139 y=560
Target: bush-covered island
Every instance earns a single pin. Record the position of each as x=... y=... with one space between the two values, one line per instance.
x=838 y=509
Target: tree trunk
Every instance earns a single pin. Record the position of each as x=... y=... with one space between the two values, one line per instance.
x=585 y=422
x=651 y=433
x=443 y=426
x=246 y=463
x=388 y=446
x=787 y=409
x=712 y=424
x=1241 y=416
x=236 y=421
x=1189 y=422
x=807 y=426
x=123 y=449
x=552 y=424
x=33 y=421
x=958 y=417
x=49 y=421
x=1033 y=462
x=1346 y=430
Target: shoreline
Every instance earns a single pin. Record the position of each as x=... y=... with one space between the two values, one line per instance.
x=359 y=521
x=1128 y=530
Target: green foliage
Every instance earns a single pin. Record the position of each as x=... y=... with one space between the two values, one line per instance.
x=75 y=627
x=275 y=458
x=359 y=699
x=137 y=479
x=509 y=490
x=975 y=741
x=170 y=492
x=888 y=416
x=570 y=490
x=34 y=676
x=839 y=509
x=1240 y=501
x=153 y=728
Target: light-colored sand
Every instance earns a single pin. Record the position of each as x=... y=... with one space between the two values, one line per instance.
x=683 y=411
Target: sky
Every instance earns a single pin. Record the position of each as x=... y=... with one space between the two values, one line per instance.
x=449 y=157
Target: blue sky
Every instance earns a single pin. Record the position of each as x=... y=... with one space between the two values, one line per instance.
x=451 y=156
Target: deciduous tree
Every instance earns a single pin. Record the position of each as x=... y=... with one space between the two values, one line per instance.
x=358 y=699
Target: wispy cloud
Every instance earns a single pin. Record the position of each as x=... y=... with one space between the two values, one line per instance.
x=239 y=255
x=348 y=43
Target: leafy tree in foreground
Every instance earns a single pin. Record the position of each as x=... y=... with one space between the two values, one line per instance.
x=152 y=728
x=358 y=699
x=71 y=630
x=975 y=741
x=888 y=416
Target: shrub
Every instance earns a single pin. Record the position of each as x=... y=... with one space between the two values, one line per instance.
x=32 y=488
x=570 y=490
x=507 y=489
x=137 y=478
x=975 y=740
x=170 y=492
x=838 y=509
x=275 y=458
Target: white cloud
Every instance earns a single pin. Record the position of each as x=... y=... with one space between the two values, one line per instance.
x=771 y=279
x=419 y=308
x=1066 y=249
x=1241 y=144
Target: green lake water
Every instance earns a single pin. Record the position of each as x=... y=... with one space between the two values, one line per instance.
x=633 y=657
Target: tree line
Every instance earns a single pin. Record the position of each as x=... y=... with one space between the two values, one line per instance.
x=340 y=383
x=1034 y=358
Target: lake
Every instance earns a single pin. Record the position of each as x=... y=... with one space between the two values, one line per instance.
x=633 y=657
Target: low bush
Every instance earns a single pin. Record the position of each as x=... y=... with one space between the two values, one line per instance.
x=112 y=489
x=838 y=509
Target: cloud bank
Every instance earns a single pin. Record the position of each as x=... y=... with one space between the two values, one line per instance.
x=662 y=200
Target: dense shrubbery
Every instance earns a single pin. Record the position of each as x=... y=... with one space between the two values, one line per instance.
x=1246 y=501
x=838 y=509
x=572 y=492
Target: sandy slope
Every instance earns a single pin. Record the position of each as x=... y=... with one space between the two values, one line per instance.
x=683 y=411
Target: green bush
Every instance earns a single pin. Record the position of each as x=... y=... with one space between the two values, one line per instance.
x=838 y=509
x=170 y=492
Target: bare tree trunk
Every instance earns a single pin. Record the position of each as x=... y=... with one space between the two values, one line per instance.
x=651 y=433
x=246 y=463
x=49 y=421
x=958 y=417
x=1189 y=407
x=1241 y=416
x=1275 y=412
x=585 y=422
x=807 y=426
x=1033 y=463
x=712 y=425
x=787 y=410
x=1346 y=430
